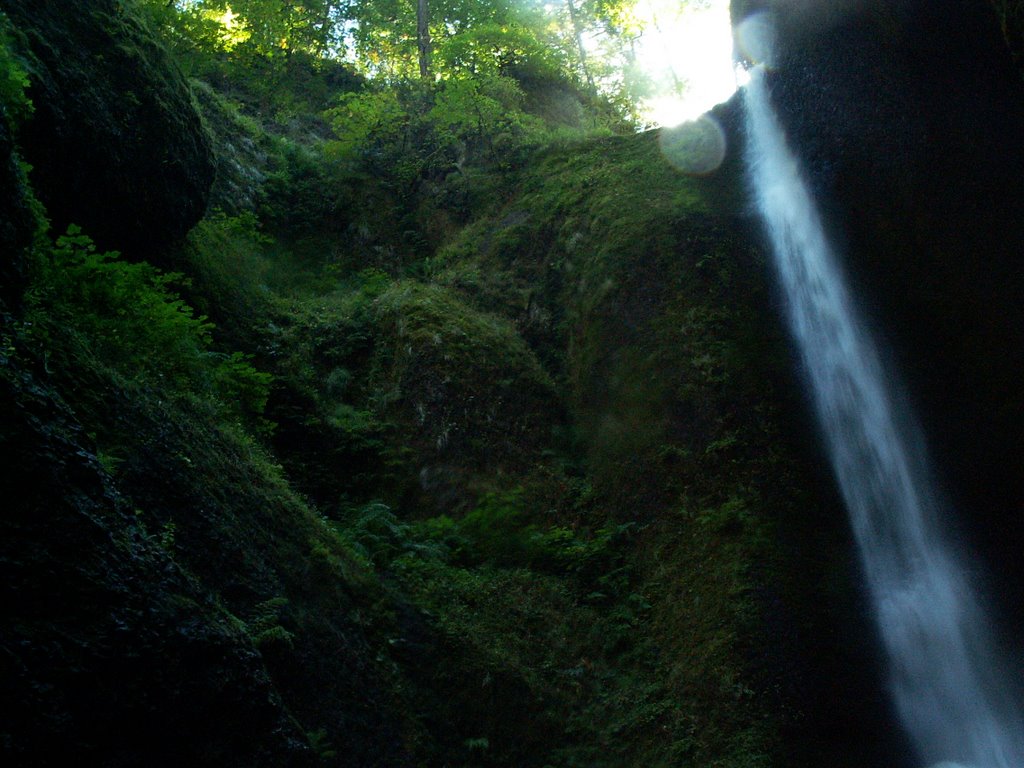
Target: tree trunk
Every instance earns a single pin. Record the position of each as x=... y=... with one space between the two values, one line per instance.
x=578 y=32
x=423 y=37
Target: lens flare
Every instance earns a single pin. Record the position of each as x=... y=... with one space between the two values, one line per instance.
x=755 y=39
x=697 y=147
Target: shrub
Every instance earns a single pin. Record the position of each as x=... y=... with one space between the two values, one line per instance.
x=131 y=319
x=376 y=534
x=15 y=105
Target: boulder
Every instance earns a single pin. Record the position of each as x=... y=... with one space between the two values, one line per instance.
x=115 y=141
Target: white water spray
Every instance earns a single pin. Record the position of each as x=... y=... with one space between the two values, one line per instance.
x=944 y=676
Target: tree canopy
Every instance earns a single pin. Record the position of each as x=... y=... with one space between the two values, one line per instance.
x=588 y=43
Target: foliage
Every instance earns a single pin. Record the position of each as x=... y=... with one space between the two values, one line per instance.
x=266 y=27
x=541 y=451
x=376 y=533
x=264 y=625
x=131 y=318
x=15 y=105
x=468 y=37
x=321 y=746
x=526 y=41
x=499 y=531
x=495 y=533
x=190 y=29
x=306 y=194
x=482 y=112
x=421 y=132
x=372 y=116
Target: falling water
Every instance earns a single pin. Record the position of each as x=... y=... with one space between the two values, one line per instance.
x=945 y=679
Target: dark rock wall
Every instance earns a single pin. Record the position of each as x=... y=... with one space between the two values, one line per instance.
x=116 y=144
x=118 y=646
x=111 y=655
x=908 y=115
x=17 y=223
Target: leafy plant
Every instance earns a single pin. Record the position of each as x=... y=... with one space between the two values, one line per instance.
x=265 y=624
x=375 y=532
x=321 y=744
x=15 y=104
x=131 y=318
x=364 y=117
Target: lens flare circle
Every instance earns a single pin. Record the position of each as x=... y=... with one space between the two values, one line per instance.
x=755 y=39
x=696 y=148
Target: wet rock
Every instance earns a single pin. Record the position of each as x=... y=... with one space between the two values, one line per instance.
x=17 y=223
x=908 y=116
x=109 y=652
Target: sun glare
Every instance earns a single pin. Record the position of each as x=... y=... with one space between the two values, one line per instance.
x=228 y=19
x=686 y=50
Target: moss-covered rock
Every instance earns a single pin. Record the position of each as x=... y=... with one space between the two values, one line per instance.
x=468 y=391
x=273 y=563
x=112 y=653
x=19 y=219
x=115 y=141
x=646 y=295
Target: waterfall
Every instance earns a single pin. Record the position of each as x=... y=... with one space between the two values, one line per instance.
x=945 y=679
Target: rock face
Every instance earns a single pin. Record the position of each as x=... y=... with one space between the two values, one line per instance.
x=111 y=653
x=119 y=647
x=16 y=223
x=908 y=115
x=116 y=144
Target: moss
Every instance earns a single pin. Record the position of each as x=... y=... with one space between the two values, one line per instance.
x=644 y=295
x=105 y=628
x=21 y=217
x=462 y=380
x=19 y=221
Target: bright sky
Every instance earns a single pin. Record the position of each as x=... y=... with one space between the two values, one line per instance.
x=689 y=43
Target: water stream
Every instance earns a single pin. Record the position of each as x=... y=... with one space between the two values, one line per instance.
x=944 y=676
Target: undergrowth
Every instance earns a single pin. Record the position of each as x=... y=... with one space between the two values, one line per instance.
x=129 y=317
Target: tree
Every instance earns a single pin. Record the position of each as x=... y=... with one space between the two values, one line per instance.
x=267 y=27
x=578 y=34
x=573 y=41
x=423 y=37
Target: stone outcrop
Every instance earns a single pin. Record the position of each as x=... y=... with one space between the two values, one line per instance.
x=116 y=144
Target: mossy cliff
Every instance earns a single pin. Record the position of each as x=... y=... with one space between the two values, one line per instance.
x=505 y=465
